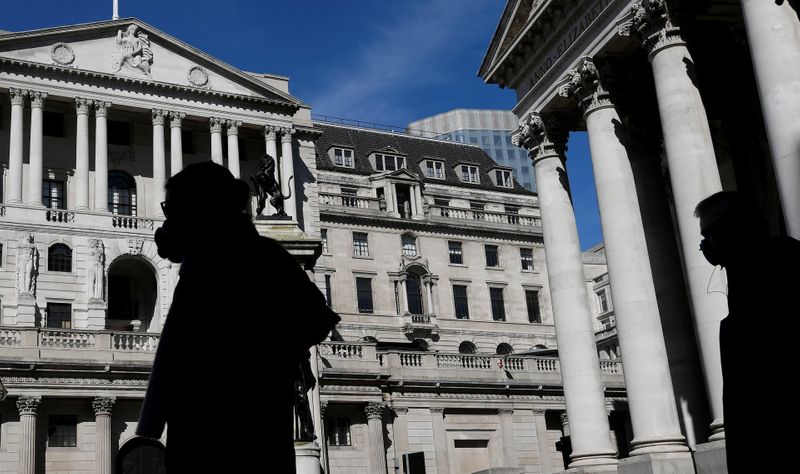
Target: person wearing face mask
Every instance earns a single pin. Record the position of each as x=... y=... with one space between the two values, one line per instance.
x=757 y=337
x=243 y=317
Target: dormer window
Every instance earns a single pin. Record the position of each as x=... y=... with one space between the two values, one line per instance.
x=384 y=162
x=503 y=178
x=469 y=174
x=343 y=157
x=434 y=169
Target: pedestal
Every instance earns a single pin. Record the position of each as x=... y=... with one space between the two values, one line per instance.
x=96 y=314
x=26 y=310
x=307 y=458
x=658 y=463
x=710 y=458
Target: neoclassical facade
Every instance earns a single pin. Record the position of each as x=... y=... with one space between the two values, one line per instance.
x=680 y=100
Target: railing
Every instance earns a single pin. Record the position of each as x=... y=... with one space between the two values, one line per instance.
x=463 y=361
x=342 y=351
x=55 y=342
x=421 y=318
x=611 y=367
x=10 y=337
x=59 y=215
x=485 y=216
x=410 y=359
x=348 y=200
x=83 y=219
x=66 y=339
x=128 y=222
x=548 y=365
x=135 y=342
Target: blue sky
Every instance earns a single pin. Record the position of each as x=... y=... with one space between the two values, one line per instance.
x=388 y=62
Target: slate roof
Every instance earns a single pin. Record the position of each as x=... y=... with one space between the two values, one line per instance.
x=415 y=149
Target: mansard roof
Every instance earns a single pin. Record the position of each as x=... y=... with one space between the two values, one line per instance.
x=364 y=142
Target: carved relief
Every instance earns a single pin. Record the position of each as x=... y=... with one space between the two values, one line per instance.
x=652 y=22
x=27 y=265
x=374 y=410
x=135 y=246
x=197 y=76
x=62 y=54
x=95 y=270
x=103 y=406
x=17 y=96
x=28 y=405
x=583 y=83
x=133 y=50
x=541 y=136
x=37 y=98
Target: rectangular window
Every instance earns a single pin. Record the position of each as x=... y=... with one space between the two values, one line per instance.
x=59 y=315
x=119 y=133
x=360 y=244
x=454 y=249
x=53 y=194
x=328 y=291
x=338 y=431
x=526 y=258
x=389 y=162
x=460 y=301
x=532 y=300
x=187 y=144
x=492 y=259
x=512 y=214
x=434 y=169
x=63 y=431
x=601 y=296
x=364 y=294
x=469 y=174
x=503 y=178
x=498 y=306
x=323 y=235
x=53 y=124
x=343 y=157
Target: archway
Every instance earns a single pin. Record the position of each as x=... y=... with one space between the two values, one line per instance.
x=132 y=294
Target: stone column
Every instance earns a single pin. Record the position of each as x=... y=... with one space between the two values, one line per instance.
x=270 y=137
x=100 y=156
x=400 y=430
x=159 y=162
x=28 y=407
x=287 y=173
x=13 y=193
x=580 y=365
x=435 y=293
x=429 y=294
x=322 y=434
x=542 y=440
x=774 y=35
x=507 y=437
x=233 y=146
x=175 y=142
x=693 y=174
x=35 y=168
x=82 y=154
x=402 y=296
x=216 y=139
x=102 y=407
x=418 y=201
x=377 y=450
x=439 y=439
x=656 y=427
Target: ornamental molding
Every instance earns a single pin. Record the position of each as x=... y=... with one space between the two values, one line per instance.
x=197 y=76
x=651 y=21
x=271 y=132
x=62 y=54
x=78 y=381
x=351 y=388
x=233 y=127
x=134 y=246
x=583 y=84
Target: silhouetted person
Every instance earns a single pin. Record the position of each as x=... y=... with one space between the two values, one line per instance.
x=243 y=316
x=758 y=336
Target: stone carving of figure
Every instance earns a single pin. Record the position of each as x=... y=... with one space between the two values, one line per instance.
x=134 y=50
x=303 y=421
x=95 y=271
x=27 y=265
x=266 y=185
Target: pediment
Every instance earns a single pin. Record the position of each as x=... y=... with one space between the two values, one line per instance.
x=512 y=23
x=401 y=174
x=130 y=48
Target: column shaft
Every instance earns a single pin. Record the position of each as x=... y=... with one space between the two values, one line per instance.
x=377 y=450
x=402 y=296
x=82 y=154
x=216 y=140
x=287 y=173
x=233 y=147
x=159 y=163
x=440 y=440
x=507 y=438
x=101 y=157
x=102 y=410
x=400 y=431
x=175 y=142
x=28 y=408
x=542 y=440
x=15 y=147
x=35 y=166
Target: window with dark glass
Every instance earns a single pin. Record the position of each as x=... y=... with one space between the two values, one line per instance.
x=119 y=133
x=434 y=169
x=601 y=295
x=121 y=193
x=467 y=347
x=328 y=290
x=469 y=174
x=53 y=194
x=409 y=245
x=59 y=315
x=532 y=300
x=343 y=157
x=492 y=259
x=62 y=431
x=360 y=244
x=364 y=294
x=456 y=255
x=389 y=162
x=338 y=431
x=323 y=234
x=503 y=178
x=498 y=306
x=187 y=143
x=414 y=293
x=526 y=258
x=504 y=348
x=59 y=258
x=460 y=301
x=53 y=124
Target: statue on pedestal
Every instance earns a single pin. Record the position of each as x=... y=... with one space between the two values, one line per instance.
x=27 y=265
x=265 y=185
x=303 y=420
x=95 y=272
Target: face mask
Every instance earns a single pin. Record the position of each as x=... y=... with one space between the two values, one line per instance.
x=711 y=252
x=168 y=246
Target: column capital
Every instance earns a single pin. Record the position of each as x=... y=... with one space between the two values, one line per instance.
x=270 y=132
x=400 y=410
x=374 y=410
x=438 y=410
x=233 y=126
x=82 y=105
x=652 y=22
x=158 y=116
x=101 y=108
x=583 y=84
x=505 y=411
x=215 y=124
x=286 y=134
x=539 y=411
x=28 y=405
x=176 y=118
x=17 y=96
x=37 y=98
x=103 y=405
x=542 y=135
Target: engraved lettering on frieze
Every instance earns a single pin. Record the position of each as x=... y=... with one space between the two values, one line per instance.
x=62 y=54
x=133 y=50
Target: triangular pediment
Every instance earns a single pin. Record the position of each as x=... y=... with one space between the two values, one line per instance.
x=515 y=16
x=131 y=49
x=401 y=175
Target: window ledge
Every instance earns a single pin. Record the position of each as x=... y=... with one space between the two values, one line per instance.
x=459 y=265
x=364 y=257
x=501 y=269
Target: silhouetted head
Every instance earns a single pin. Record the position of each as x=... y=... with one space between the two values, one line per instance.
x=730 y=222
x=203 y=201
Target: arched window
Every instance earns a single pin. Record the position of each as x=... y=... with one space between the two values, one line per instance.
x=409 y=244
x=121 y=193
x=59 y=258
x=540 y=346
x=504 y=349
x=467 y=347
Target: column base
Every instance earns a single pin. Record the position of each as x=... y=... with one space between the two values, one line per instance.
x=26 y=310
x=591 y=470
x=658 y=463
x=306 y=458
x=710 y=458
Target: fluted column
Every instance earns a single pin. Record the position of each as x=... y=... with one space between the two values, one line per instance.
x=377 y=450
x=35 y=167
x=693 y=174
x=175 y=142
x=773 y=32
x=15 y=148
x=507 y=437
x=215 y=125
x=233 y=146
x=100 y=156
x=28 y=408
x=654 y=415
x=580 y=365
x=542 y=440
x=287 y=173
x=102 y=407
x=439 y=439
x=159 y=163
x=82 y=154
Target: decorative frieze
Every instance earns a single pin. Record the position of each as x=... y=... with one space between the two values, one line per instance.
x=583 y=83
x=652 y=22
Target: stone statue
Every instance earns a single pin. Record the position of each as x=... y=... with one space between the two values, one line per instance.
x=27 y=265
x=95 y=268
x=134 y=50
x=303 y=421
x=266 y=185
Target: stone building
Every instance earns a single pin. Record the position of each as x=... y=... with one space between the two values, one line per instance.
x=680 y=100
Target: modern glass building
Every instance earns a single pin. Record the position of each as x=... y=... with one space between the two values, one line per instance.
x=489 y=129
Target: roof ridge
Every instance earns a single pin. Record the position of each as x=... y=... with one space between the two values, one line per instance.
x=396 y=134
